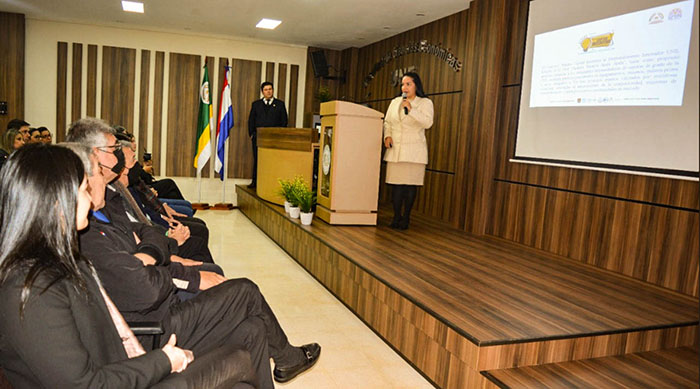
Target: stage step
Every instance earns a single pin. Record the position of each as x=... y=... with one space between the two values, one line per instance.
x=670 y=368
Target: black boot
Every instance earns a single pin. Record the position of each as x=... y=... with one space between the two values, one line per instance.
x=410 y=192
x=397 y=195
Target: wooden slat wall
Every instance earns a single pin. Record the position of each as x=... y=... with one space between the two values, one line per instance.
x=293 y=95
x=61 y=75
x=76 y=82
x=245 y=76
x=118 y=74
x=144 y=92
x=158 y=109
x=281 y=86
x=183 y=108
x=270 y=72
x=12 y=66
x=91 y=108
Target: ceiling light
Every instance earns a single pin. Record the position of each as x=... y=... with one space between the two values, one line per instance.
x=269 y=24
x=132 y=6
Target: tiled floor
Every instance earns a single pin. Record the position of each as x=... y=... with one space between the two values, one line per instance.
x=352 y=356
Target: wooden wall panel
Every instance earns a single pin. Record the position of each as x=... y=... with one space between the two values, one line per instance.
x=651 y=243
x=281 y=86
x=270 y=72
x=118 y=74
x=61 y=80
x=91 y=109
x=76 y=82
x=144 y=93
x=245 y=75
x=183 y=107
x=158 y=110
x=12 y=67
x=437 y=76
x=293 y=95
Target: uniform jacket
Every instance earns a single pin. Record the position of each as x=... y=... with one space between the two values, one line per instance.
x=408 y=131
x=67 y=339
x=263 y=115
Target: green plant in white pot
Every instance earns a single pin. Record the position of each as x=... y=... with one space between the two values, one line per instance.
x=307 y=199
x=286 y=192
x=298 y=186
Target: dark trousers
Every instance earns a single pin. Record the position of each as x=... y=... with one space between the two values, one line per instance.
x=167 y=189
x=254 y=139
x=232 y=313
x=225 y=367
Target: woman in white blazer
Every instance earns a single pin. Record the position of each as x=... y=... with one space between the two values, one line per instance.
x=405 y=122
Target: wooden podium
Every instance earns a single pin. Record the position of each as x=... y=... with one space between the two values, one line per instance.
x=349 y=163
x=283 y=153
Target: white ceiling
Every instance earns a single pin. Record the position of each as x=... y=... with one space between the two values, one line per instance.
x=335 y=24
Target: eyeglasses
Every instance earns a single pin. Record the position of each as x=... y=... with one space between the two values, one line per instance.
x=113 y=148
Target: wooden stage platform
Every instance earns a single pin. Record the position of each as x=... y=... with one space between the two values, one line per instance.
x=454 y=305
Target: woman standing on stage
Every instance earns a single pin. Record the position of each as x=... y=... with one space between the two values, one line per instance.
x=405 y=122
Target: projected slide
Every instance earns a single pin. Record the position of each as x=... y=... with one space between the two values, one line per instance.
x=635 y=59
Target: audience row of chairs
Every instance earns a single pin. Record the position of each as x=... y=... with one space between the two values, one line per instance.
x=90 y=244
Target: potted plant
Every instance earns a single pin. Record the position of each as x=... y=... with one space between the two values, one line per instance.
x=298 y=186
x=306 y=203
x=324 y=94
x=286 y=192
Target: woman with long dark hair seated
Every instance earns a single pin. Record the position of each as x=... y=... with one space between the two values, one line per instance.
x=58 y=327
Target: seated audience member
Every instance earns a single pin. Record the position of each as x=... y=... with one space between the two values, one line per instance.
x=166 y=189
x=189 y=276
x=11 y=141
x=21 y=126
x=158 y=212
x=45 y=135
x=230 y=312
x=59 y=327
x=99 y=137
x=35 y=136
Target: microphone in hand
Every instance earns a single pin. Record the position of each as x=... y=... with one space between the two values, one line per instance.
x=405 y=109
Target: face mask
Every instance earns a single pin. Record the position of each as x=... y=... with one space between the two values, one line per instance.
x=121 y=162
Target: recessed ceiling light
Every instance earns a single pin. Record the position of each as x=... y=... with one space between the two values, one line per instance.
x=269 y=24
x=132 y=6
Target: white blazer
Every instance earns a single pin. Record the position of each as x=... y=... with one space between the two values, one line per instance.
x=408 y=131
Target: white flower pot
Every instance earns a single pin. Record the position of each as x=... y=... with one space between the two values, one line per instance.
x=306 y=218
x=294 y=212
x=287 y=204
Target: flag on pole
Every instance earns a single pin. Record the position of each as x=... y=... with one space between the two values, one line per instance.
x=204 y=125
x=225 y=124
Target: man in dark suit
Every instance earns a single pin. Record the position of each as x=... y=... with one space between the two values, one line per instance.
x=266 y=112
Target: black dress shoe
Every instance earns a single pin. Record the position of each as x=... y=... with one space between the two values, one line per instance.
x=311 y=353
x=251 y=186
x=395 y=222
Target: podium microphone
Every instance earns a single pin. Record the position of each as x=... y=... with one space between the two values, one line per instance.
x=405 y=110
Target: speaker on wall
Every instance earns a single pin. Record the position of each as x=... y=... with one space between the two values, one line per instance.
x=318 y=61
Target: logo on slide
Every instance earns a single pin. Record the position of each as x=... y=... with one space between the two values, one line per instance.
x=656 y=17
x=603 y=40
x=675 y=13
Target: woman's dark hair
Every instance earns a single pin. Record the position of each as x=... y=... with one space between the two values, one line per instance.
x=416 y=80
x=38 y=199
